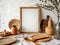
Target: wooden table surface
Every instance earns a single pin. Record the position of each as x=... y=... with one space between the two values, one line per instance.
x=21 y=41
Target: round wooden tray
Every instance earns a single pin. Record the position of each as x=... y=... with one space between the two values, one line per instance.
x=8 y=40
x=15 y=22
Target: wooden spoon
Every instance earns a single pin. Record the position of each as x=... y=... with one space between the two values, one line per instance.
x=28 y=40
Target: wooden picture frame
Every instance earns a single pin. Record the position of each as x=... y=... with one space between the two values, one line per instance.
x=34 y=8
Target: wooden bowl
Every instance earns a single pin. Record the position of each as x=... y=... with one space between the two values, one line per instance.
x=15 y=22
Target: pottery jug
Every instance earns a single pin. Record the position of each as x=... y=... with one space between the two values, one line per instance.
x=49 y=29
x=57 y=31
x=13 y=30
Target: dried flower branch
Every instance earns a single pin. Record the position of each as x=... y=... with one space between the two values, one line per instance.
x=51 y=5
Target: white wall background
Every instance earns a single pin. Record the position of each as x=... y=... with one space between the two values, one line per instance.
x=10 y=9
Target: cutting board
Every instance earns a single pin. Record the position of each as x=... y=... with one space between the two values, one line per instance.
x=8 y=40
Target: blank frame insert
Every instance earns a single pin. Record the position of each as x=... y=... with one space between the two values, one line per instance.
x=30 y=19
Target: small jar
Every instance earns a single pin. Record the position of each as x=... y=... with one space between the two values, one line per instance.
x=14 y=30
